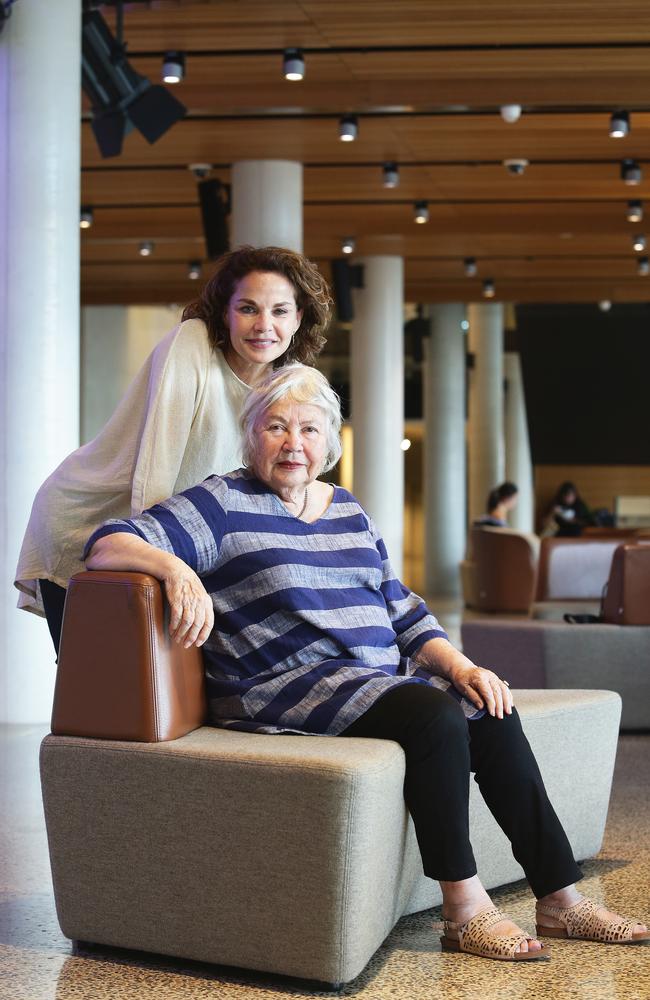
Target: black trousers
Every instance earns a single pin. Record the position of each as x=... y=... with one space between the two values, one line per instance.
x=441 y=748
x=53 y=602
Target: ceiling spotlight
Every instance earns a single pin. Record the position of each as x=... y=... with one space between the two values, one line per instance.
x=631 y=172
x=604 y=305
x=121 y=99
x=194 y=270
x=391 y=175
x=470 y=267
x=348 y=128
x=86 y=217
x=293 y=64
x=634 y=211
x=488 y=289
x=173 y=68
x=643 y=266
x=421 y=212
x=619 y=124
x=464 y=324
x=406 y=444
x=348 y=244
x=515 y=166
x=510 y=112
x=146 y=248
x=638 y=242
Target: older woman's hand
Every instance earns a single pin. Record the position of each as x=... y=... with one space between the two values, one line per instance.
x=192 y=614
x=482 y=687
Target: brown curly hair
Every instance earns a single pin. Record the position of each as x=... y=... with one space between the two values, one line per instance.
x=312 y=297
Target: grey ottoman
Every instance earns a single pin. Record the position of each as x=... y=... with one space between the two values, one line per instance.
x=286 y=854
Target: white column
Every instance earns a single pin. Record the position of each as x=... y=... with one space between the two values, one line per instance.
x=39 y=309
x=444 y=449
x=485 y=430
x=519 y=467
x=266 y=204
x=377 y=398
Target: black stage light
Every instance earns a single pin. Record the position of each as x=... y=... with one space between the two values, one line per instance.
x=214 y=197
x=120 y=97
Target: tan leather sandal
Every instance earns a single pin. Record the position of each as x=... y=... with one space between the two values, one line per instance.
x=476 y=938
x=584 y=922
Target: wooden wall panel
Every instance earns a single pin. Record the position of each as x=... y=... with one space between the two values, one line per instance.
x=597 y=484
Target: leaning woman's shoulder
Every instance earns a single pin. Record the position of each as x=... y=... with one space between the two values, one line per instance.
x=191 y=334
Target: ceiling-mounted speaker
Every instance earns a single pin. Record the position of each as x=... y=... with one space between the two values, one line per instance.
x=345 y=277
x=214 y=198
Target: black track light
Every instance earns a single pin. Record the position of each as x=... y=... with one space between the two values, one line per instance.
x=390 y=175
x=348 y=128
x=470 y=267
x=146 y=248
x=86 y=217
x=293 y=64
x=634 y=211
x=194 y=270
x=489 y=291
x=619 y=124
x=421 y=212
x=173 y=67
x=643 y=266
x=631 y=172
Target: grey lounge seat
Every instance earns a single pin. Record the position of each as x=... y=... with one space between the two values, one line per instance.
x=287 y=854
x=548 y=654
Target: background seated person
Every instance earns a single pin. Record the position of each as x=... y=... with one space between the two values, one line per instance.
x=501 y=500
x=285 y=582
x=568 y=513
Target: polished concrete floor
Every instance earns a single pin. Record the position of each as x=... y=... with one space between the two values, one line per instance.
x=38 y=963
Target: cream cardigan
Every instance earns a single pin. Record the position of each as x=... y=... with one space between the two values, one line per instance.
x=176 y=425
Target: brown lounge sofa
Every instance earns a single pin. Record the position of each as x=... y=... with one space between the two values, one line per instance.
x=286 y=854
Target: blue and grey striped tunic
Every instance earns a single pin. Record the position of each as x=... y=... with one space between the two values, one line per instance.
x=311 y=624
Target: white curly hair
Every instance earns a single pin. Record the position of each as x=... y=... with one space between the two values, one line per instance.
x=302 y=384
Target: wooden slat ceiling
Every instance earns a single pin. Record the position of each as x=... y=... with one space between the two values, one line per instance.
x=426 y=79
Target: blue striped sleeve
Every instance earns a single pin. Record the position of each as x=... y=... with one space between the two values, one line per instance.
x=411 y=619
x=112 y=527
x=190 y=525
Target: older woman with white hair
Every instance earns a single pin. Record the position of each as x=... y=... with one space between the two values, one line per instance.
x=285 y=582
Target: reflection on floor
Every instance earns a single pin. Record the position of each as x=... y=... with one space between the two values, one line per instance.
x=38 y=963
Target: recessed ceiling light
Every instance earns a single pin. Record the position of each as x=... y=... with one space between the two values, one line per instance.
x=510 y=112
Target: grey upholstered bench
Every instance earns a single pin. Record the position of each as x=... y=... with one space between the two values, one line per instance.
x=287 y=854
